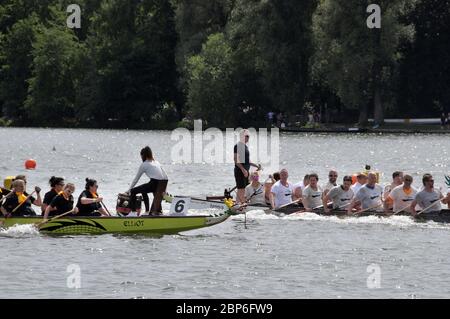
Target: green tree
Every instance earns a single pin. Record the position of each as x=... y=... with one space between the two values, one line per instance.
x=55 y=73
x=358 y=63
x=210 y=94
x=133 y=73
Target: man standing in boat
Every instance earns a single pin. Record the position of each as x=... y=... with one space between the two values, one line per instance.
x=242 y=165
x=157 y=184
x=369 y=195
x=429 y=198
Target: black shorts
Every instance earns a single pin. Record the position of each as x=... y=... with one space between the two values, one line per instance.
x=241 y=180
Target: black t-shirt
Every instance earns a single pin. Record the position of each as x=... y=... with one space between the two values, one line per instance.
x=24 y=210
x=49 y=196
x=4 y=192
x=238 y=149
x=61 y=204
x=87 y=209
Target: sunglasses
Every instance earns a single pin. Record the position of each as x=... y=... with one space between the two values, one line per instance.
x=407 y=180
x=332 y=175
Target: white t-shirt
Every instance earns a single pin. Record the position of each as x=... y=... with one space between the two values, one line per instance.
x=425 y=199
x=312 y=198
x=356 y=187
x=152 y=169
x=282 y=194
x=401 y=199
x=328 y=186
x=340 y=197
x=299 y=185
x=254 y=195
x=370 y=197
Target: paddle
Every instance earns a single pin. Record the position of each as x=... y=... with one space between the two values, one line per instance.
x=104 y=206
x=38 y=225
x=403 y=209
x=284 y=206
x=367 y=209
x=17 y=207
x=425 y=209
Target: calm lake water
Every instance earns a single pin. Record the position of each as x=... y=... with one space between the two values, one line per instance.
x=303 y=256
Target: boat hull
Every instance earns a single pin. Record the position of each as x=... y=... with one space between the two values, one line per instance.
x=102 y=225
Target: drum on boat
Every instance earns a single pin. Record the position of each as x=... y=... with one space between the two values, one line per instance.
x=123 y=204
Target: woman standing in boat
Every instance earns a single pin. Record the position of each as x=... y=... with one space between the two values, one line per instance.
x=157 y=184
x=62 y=202
x=57 y=185
x=89 y=202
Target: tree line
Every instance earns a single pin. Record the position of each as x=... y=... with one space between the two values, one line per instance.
x=158 y=64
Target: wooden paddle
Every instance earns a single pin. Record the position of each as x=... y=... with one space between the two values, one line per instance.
x=367 y=209
x=425 y=209
x=284 y=206
x=38 y=225
x=403 y=209
x=17 y=207
x=104 y=206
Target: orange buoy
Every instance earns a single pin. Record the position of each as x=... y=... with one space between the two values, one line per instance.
x=30 y=164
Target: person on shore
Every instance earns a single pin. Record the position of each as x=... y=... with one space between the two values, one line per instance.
x=312 y=195
x=369 y=195
x=254 y=192
x=62 y=202
x=242 y=165
x=402 y=196
x=282 y=191
x=19 y=203
x=56 y=187
x=300 y=187
x=361 y=180
x=397 y=180
x=443 y=120
x=268 y=186
x=157 y=184
x=428 y=198
x=340 y=195
x=332 y=178
x=88 y=203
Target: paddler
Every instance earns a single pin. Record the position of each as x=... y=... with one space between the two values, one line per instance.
x=20 y=202
x=62 y=202
x=157 y=184
x=242 y=165
x=361 y=180
x=340 y=195
x=254 y=192
x=88 y=203
x=300 y=187
x=332 y=178
x=397 y=180
x=282 y=191
x=429 y=198
x=268 y=186
x=402 y=196
x=369 y=195
x=312 y=195
x=56 y=187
